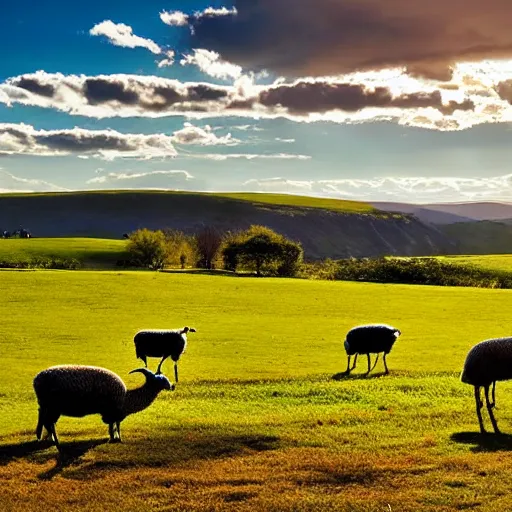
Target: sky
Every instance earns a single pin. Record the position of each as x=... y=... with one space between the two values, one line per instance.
x=375 y=100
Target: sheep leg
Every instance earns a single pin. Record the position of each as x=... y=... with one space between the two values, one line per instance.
x=493 y=395
x=355 y=361
x=53 y=434
x=118 y=426
x=385 y=365
x=348 y=365
x=376 y=361
x=479 y=405
x=40 y=426
x=489 y=410
x=159 y=369
x=111 y=432
x=176 y=372
x=369 y=364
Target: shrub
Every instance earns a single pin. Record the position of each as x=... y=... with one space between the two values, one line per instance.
x=43 y=263
x=425 y=271
x=147 y=248
x=262 y=250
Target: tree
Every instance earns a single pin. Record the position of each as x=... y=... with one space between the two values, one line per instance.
x=263 y=250
x=208 y=242
x=147 y=248
x=180 y=248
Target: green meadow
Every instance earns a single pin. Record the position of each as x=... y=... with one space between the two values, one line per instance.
x=261 y=419
x=90 y=252
x=487 y=261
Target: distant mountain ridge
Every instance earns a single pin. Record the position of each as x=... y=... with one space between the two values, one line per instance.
x=450 y=213
x=328 y=232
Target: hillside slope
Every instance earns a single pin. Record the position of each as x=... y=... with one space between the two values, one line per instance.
x=484 y=237
x=323 y=232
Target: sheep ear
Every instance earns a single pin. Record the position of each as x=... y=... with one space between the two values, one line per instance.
x=192 y=329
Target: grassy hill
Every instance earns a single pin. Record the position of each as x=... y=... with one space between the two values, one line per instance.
x=90 y=252
x=484 y=237
x=487 y=261
x=326 y=228
x=257 y=423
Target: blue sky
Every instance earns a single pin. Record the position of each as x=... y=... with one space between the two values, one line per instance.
x=234 y=96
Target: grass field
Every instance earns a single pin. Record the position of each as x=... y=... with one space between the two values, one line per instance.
x=91 y=252
x=488 y=261
x=302 y=201
x=271 y=199
x=257 y=421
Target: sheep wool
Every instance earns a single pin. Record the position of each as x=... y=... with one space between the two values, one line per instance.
x=162 y=343
x=370 y=339
x=486 y=363
x=78 y=391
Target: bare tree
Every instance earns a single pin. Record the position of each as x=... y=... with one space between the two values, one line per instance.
x=208 y=242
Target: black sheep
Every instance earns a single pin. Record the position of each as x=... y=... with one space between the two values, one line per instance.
x=370 y=339
x=487 y=362
x=162 y=343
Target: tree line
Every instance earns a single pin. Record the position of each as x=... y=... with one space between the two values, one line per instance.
x=258 y=249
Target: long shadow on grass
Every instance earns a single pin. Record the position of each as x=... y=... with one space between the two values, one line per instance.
x=484 y=442
x=176 y=448
x=70 y=453
x=357 y=376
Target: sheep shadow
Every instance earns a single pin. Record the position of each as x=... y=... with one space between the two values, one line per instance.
x=175 y=449
x=70 y=453
x=488 y=442
x=358 y=376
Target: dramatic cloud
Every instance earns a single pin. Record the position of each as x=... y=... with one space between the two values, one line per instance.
x=211 y=64
x=168 y=61
x=11 y=183
x=191 y=134
x=422 y=189
x=22 y=139
x=332 y=37
x=303 y=100
x=120 y=34
x=175 y=180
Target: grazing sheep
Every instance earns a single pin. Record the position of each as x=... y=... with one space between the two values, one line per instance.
x=486 y=363
x=78 y=391
x=162 y=343
x=370 y=339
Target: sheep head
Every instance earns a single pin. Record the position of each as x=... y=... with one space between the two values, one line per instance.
x=160 y=380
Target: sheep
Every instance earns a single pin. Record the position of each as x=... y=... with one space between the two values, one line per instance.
x=78 y=391
x=162 y=343
x=486 y=363
x=370 y=339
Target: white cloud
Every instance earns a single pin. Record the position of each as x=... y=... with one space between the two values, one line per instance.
x=180 y=19
x=421 y=189
x=23 y=139
x=174 y=18
x=285 y=141
x=165 y=180
x=191 y=134
x=211 y=64
x=120 y=34
x=251 y=156
x=168 y=61
x=11 y=183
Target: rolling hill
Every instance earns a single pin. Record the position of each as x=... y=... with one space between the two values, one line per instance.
x=327 y=228
x=450 y=213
